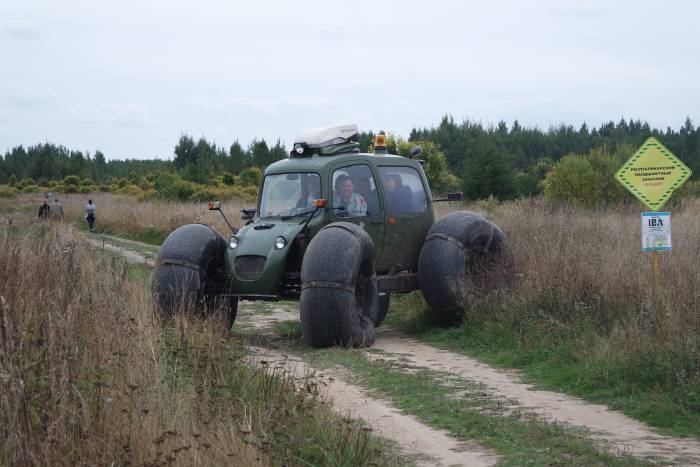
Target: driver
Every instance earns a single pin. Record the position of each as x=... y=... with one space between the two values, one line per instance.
x=344 y=196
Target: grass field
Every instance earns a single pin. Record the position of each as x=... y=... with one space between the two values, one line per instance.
x=581 y=318
x=90 y=376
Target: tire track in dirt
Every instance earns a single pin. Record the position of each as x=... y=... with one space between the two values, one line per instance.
x=425 y=445
x=616 y=432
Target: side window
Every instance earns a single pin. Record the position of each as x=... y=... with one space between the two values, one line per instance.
x=404 y=190
x=355 y=190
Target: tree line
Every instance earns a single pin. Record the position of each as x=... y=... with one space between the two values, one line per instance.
x=504 y=161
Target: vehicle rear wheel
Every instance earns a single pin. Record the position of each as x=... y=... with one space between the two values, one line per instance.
x=339 y=296
x=464 y=255
x=190 y=273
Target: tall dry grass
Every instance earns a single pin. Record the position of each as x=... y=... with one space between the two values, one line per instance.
x=580 y=269
x=88 y=375
x=126 y=215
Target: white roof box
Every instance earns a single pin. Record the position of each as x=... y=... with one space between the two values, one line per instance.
x=326 y=136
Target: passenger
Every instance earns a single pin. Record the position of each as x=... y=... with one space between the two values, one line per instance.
x=364 y=187
x=399 y=196
x=344 y=196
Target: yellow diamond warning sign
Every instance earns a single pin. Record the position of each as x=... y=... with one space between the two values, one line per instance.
x=652 y=173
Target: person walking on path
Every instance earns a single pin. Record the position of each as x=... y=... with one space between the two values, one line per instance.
x=90 y=215
x=56 y=211
x=43 y=211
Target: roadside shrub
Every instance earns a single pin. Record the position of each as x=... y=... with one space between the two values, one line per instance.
x=7 y=191
x=13 y=180
x=43 y=181
x=85 y=189
x=105 y=188
x=51 y=184
x=70 y=189
x=86 y=182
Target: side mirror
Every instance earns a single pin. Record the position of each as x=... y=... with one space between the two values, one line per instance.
x=415 y=151
x=214 y=205
x=248 y=213
x=459 y=196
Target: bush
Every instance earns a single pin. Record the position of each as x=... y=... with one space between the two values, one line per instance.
x=13 y=180
x=7 y=191
x=31 y=189
x=70 y=188
x=251 y=176
x=131 y=190
x=85 y=189
x=105 y=188
x=71 y=180
x=586 y=180
x=43 y=182
x=228 y=179
x=51 y=183
x=203 y=194
x=27 y=182
x=86 y=182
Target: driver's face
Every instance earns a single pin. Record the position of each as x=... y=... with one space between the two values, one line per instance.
x=346 y=189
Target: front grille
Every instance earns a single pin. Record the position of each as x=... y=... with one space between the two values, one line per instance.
x=249 y=268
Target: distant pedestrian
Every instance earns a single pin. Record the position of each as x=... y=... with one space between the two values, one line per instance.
x=56 y=211
x=43 y=211
x=90 y=215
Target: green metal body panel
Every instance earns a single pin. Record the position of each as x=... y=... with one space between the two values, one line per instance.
x=397 y=243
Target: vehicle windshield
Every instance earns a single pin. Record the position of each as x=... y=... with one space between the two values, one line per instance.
x=289 y=194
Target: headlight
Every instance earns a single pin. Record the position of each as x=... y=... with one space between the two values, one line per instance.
x=233 y=242
x=280 y=242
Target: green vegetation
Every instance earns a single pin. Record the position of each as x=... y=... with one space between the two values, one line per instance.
x=521 y=440
x=657 y=384
x=290 y=329
x=90 y=376
x=500 y=161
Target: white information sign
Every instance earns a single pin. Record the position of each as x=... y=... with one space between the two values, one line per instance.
x=656 y=231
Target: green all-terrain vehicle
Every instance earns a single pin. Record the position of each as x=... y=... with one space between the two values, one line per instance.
x=340 y=231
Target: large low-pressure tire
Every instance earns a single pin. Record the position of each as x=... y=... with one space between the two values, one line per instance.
x=190 y=273
x=339 y=296
x=463 y=254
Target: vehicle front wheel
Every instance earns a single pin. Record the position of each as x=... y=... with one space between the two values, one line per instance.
x=339 y=297
x=190 y=273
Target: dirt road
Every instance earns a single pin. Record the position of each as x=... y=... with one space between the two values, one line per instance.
x=610 y=429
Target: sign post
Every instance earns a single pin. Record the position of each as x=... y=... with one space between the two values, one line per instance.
x=651 y=174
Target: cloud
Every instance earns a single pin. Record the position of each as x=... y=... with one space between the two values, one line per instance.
x=20 y=31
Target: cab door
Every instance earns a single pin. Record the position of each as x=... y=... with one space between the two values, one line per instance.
x=355 y=189
x=409 y=215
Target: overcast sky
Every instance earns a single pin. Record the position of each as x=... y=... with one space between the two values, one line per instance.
x=129 y=77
